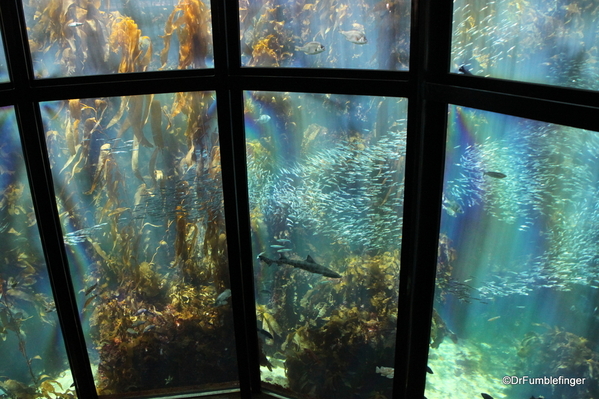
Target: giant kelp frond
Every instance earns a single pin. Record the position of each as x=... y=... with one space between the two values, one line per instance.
x=191 y=20
x=126 y=38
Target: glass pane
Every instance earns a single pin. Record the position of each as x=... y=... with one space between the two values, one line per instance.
x=517 y=278
x=359 y=34
x=3 y=68
x=542 y=41
x=139 y=191
x=326 y=183
x=34 y=362
x=91 y=37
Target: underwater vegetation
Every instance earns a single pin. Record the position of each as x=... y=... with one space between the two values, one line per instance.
x=561 y=353
x=367 y=34
x=27 y=312
x=332 y=334
x=517 y=250
x=139 y=193
x=325 y=176
x=87 y=37
x=544 y=41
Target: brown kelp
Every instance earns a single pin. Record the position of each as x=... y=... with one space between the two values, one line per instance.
x=84 y=37
x=273 y=33
x=140 y=194
x=342 y=329
x=557 y=352
x=191 y=21
x=27 y=309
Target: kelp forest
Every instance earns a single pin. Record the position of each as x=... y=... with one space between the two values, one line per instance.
x=139 y=189
x=89 y=37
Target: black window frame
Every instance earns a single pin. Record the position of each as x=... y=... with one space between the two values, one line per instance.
x=429 y=86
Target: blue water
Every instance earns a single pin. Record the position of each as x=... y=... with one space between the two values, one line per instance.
x=32 y=345
x=519 y=233
x=541 y=41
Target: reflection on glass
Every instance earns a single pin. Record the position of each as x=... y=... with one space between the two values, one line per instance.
x=139 y=192
x=326 y=175
x=362 y=34
x=3 y=68
x=543 y=41
x=34 y=361
x=517 y=277
x=90 y=37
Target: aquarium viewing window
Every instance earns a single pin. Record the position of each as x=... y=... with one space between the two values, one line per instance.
x=326 y=182
x=3 y=69
x=305 y=199
x=517 y=283
x=552 y=42
x=91 y=37
x=358 y=34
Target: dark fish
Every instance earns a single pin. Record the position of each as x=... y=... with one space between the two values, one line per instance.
x=265 y=333
x=429 y=370
x=308 y=265
x=89 y=300
x=486 y=396
x=497 y=175
x=464 y=70
x=138 y=323
x=88 y=290
x=223 y=298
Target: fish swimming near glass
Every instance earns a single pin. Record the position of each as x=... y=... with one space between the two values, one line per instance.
x=308 y=265
x=385 y=371
x=223 y=298
x=465 y=70
x=355 y=36
x=311 y=48
x=496 y=175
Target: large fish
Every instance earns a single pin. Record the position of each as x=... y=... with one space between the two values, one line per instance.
x=311 y=48
x=355 y=36
x=308 y=265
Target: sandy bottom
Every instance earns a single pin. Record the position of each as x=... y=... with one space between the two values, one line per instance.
x=277 y=375
x=459 y=372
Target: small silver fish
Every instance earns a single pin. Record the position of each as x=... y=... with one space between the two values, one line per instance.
x=74 y=24
x=355 y=36
x=138 y=323
x=386 y=371
x=149 y=328
x=223 y=298
x=262 y=119
x=311 y=48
